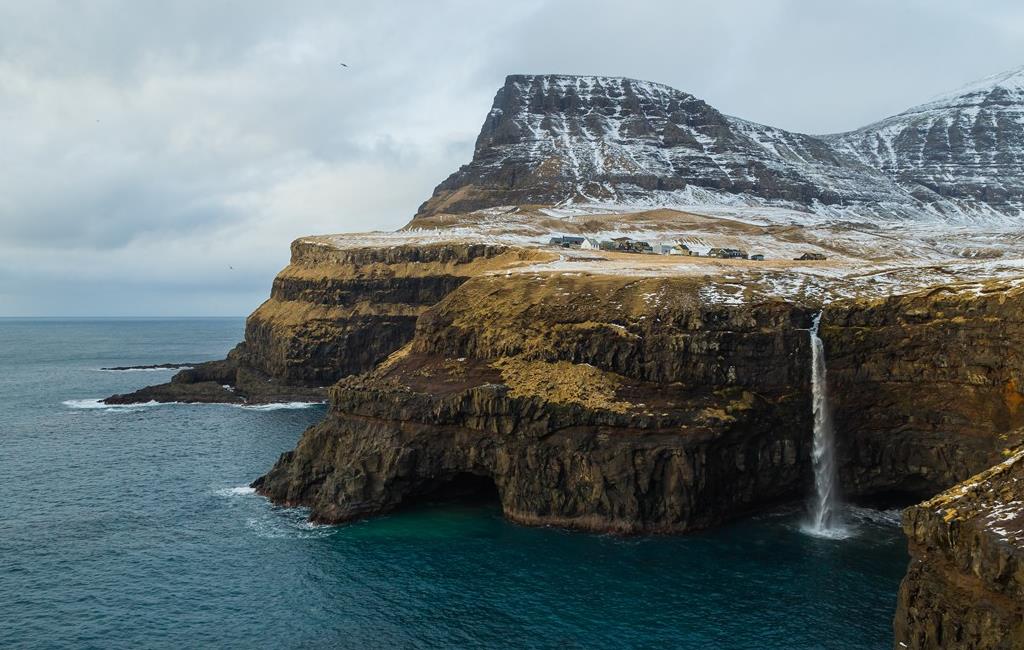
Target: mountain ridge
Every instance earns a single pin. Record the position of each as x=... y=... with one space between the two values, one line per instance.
x=570 y=139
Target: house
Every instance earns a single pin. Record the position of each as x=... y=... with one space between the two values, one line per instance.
x=728 y=253
x=810 y=256
x=567 y=242
x=758 y=257
x=627 y=245
x=683 y=249
x=590 y=244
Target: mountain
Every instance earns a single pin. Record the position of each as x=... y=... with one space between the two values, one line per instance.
x=964 y=149
x=558 y=139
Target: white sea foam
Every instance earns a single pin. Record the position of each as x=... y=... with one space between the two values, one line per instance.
x=835 y=531
x=287 y=523
x=870 y=515
x=99 y=404
x=144 y=369
x=277 y=406
x=241 y=490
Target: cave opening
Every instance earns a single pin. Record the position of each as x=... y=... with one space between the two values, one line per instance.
x=462 y=488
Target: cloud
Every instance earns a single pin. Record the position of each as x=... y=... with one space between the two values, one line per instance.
x=148 y=146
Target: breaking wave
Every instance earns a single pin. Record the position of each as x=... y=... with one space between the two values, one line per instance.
x=100 y=405
x=144 y=369
x=241 y=490
x=277 y=406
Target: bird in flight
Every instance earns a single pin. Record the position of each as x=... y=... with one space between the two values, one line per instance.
x=344 y=65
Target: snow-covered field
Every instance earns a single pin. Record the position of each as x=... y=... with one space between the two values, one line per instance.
x=874 y=258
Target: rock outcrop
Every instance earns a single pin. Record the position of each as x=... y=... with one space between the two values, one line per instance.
x=600 y=403
x=927 y=386
x=964 y=588
x=339 y=308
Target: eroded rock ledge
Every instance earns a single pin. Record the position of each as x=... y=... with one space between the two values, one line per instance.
x=339 y=308
x=608 y=404
x=965 y=584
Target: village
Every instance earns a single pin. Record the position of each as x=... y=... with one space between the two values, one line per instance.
x=629 y=245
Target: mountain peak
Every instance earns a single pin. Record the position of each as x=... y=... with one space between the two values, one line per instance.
x=554 y=139
x=1010 y=82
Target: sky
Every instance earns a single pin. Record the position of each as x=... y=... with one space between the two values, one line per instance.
x=158 y=158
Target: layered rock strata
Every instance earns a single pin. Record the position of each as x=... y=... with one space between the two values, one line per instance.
x=926 y=386
x=591 y=402
x=964 y=588
x=339 y=308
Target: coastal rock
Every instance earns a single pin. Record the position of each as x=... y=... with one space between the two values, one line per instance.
x=964 y=588
x=335 y=310
x=609 y=404
x=927 y=386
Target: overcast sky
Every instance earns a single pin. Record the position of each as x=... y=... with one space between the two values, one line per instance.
x=148 y=147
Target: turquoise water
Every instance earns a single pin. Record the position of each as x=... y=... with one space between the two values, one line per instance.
x=127 y=527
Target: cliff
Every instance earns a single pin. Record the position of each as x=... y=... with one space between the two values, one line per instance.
x=592 y=402
x=926 y=385
x=339 y=308
x=965 y=585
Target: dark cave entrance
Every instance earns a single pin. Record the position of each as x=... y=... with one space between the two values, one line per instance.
x=463 y=488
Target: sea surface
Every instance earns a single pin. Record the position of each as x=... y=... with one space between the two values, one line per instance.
x=132 y=527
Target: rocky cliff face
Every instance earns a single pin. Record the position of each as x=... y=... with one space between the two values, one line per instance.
x=337 y=311
x=926 y=386
x=965 y=585
x=339 y=308
x=556 y=139
x=596 y=403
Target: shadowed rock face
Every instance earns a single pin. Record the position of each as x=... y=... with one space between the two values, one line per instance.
x=965 y=584
x=927 y=386
x=597 y=407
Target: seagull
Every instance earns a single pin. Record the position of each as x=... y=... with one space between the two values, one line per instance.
x=344 y=65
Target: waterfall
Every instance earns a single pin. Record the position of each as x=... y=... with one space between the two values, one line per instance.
x=824 y=517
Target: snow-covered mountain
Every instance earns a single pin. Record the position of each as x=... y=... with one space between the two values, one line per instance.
x=558 y=139
x=961 y=151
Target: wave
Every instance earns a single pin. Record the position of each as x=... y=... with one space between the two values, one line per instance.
x=277 y=406
x=175 y=368
x=99 y=404
x=278 y=523
x=241 y=490
x=881 y=517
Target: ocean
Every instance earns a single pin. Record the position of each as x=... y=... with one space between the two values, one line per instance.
x=131 y=527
